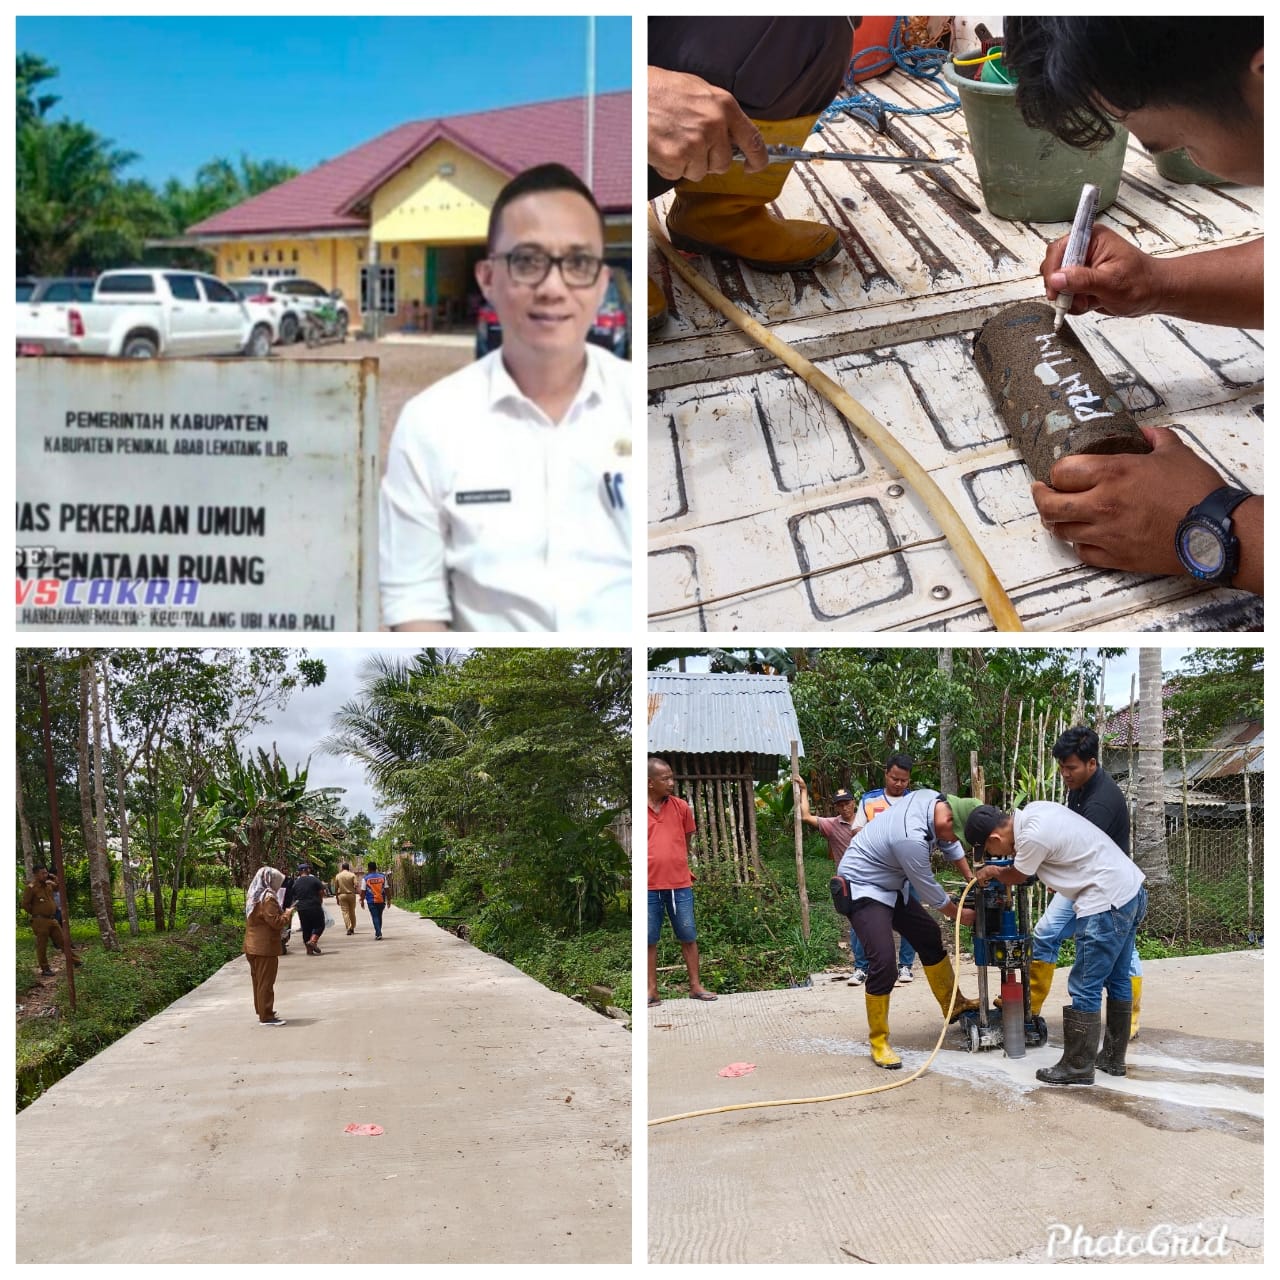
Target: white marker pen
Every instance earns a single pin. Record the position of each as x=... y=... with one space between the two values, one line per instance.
x=1077 y=247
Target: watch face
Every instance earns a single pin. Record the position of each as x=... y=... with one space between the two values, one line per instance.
x=1202 y=549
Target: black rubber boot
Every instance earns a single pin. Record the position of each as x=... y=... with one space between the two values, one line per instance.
x=1115 y=1039
x=1079 y=1048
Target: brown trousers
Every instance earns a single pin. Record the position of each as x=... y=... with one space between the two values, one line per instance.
x=262 y=969
x=47 y=930
x=347 y=901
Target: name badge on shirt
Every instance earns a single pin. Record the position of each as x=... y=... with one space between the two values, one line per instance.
x=482 y=495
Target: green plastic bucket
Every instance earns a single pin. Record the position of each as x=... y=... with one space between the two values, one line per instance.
x=1177 y=166
x=1027 y=175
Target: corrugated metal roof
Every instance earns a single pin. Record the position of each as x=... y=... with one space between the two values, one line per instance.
x=710 y=712
x=510 y=139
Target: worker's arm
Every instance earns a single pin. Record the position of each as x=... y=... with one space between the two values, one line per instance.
x=421 y=626
x=694 y=127
x=1121 y=511
x=950 y=910
x=806 y=815
x=1217 y=286
x=1006 y=875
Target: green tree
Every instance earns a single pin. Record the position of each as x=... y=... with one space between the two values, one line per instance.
x=1212 y=689
x=31 y=73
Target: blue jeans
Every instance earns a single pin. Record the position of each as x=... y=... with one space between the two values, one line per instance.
x=375 y=914
x=677 y=906
x=1059 y=923
x=1104 y=944
x=906 y=952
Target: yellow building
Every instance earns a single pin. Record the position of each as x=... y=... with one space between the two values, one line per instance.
x=406 y=214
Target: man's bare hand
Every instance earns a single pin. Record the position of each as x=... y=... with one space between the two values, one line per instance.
x=1117 y=279
x=1121 y=511
x=694 y=127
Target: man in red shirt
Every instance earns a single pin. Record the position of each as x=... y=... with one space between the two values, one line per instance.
x=670 y=880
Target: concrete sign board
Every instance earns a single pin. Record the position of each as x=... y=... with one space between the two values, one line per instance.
x=197 y=494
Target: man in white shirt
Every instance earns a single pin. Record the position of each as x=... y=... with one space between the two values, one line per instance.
x=1073 y=857
x=506 y=502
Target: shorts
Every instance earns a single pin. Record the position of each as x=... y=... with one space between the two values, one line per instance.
x=677 y=905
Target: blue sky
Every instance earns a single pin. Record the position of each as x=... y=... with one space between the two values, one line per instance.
x=181 y=91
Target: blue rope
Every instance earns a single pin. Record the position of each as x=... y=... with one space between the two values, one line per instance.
x=924 y=64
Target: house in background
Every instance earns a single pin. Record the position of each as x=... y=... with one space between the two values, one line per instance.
x=721 y=734
x=400 y=222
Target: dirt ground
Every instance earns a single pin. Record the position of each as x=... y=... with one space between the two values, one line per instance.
x=975 y=1161
x=405 y=367
x=204 y=1137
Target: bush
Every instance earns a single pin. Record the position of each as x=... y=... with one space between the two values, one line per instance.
x=115 y=991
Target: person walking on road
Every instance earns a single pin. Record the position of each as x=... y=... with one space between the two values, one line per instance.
x=377 y=893
x=308 y=895
x=39 y=901
x=347 y=889
x=264 y=920
x=670 y=880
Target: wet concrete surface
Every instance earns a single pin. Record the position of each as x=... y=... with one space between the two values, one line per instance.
x=976 y=1160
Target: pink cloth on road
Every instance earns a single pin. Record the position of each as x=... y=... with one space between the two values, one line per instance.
x=364 y=1130
x=736 y=1069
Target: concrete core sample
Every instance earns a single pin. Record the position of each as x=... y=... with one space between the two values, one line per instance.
x=1048 y=391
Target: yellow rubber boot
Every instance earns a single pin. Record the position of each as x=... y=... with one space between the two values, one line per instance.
x=657 y=306
x=942 y=977
x=729 y=212
x=1042 y=972
x=878 y=1024
x=1136 y=983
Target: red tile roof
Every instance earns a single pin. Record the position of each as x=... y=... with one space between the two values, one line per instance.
x=329 y=197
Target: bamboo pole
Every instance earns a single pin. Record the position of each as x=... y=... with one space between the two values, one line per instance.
x=755 y=843
x=1248 y=841
x=1186 y=835
x=1011 y=778
x=799 y=829
x=1102 y=685
x=899 y=455
x=1133 y=791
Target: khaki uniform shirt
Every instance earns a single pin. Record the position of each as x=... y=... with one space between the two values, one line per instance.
x=346 y=883
x=37 y=899
x=262 y=929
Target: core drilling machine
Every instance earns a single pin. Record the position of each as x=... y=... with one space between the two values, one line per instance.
x=1002 y=940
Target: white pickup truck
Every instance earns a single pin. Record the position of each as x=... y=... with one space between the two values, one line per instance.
x=145 y=312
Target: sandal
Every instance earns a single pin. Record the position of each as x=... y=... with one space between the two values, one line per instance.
x=653 y=1000
x=702 y=995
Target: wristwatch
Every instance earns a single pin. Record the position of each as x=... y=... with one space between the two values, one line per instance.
x=1206 y=547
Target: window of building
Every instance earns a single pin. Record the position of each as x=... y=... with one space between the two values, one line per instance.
x=250 y=255
x=387 y=290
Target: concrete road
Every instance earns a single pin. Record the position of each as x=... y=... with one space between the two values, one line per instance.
x=976 y=1160
x=202 y=1137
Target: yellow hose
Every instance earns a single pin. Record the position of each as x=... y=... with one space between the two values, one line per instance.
x=975 y=564
x=854 y=1093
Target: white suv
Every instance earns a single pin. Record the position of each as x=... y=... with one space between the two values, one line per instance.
x=283 y=301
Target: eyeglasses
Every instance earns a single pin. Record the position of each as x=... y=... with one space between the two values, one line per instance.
x=533 y=266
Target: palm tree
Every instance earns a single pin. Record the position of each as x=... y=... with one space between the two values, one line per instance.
x=73 y=211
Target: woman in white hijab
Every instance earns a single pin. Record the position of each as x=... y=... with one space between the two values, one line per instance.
x=263 y=922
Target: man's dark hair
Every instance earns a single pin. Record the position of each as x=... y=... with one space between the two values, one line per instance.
x=373 y=866
x=1077 y=741
x=39 y=867
x=542 y=177
x=899 y=761
x=346 y=866
x=1066 y=66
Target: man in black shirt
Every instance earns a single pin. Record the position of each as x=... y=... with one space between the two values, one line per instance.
x=1093 y=794
x=308 y=893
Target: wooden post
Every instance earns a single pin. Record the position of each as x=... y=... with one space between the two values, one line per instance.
x=1133 y=791
x=1248 y=839
x=799 y=824
x=751 y=824
x=1186 y=835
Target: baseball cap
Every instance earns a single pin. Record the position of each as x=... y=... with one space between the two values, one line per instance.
x=842 y=797
x=980 y=824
